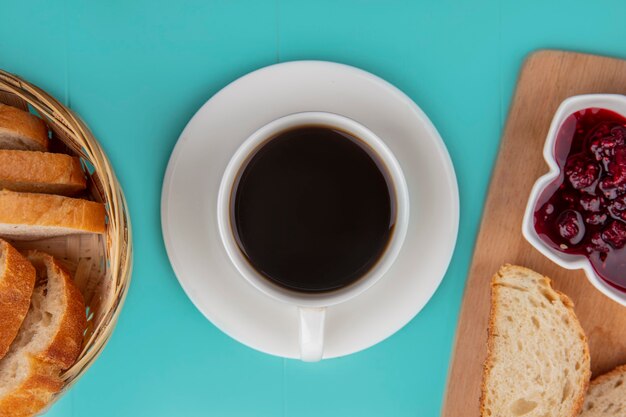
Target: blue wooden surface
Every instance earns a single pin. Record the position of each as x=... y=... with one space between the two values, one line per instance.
x=137 y=70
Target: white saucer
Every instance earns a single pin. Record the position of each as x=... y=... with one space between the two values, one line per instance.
x=192 y=179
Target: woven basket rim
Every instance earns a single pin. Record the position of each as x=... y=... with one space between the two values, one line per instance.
x=118 y=238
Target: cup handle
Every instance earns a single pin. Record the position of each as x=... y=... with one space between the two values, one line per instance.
x=312 y=333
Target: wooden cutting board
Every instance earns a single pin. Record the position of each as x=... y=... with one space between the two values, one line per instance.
x=546 y=79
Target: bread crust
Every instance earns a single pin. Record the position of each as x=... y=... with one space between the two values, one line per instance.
x=41 y=172
x=22 y=123
x=34 y=393
x=34 y=209
x=567 y=302
x=65 y=347
x=600 y=380
x=614 y=372
x=16 y=288
x=38 y=388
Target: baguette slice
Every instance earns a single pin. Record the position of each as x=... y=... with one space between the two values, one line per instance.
x=48 y=342
x=538 y=360
x=41 y=172
x=607 y=395
x=21 y=130
x=27 y=216
x=17 y=280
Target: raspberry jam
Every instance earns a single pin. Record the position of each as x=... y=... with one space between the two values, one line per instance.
x=583 y=211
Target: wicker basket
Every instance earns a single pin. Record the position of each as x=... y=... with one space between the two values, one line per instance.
x=101 y=263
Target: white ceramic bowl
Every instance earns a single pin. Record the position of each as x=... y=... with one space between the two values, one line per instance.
x=613 y=102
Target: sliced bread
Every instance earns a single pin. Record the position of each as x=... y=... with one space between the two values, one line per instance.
x=606 y=396
x=538 y=360
x=27 y=216
x=48 y=342
x=41 y=172
x=21 y=130
x=17 y=280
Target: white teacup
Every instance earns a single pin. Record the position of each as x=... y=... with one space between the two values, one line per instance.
x=312 y=306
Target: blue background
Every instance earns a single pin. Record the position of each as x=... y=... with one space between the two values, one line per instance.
x=136 y=71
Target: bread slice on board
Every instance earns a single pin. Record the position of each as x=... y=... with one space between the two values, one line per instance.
x=48 y=343
x=21 y=130
x=27 y=216
x=606 y=396
x=538 y=360
x=41 y=172
x=17 y=280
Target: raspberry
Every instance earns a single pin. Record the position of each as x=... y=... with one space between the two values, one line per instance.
x=617 y=208
x=591 y=203
x=610 y=189
x=571 y=227
x=605 y=139
x=615 y=234
x=596 y=219
x=619 y=203
x=617 y=167
x=619 y=134
x=581 y=172
x=597 y=244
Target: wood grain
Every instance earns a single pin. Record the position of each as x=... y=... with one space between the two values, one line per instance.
x=546 y=79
